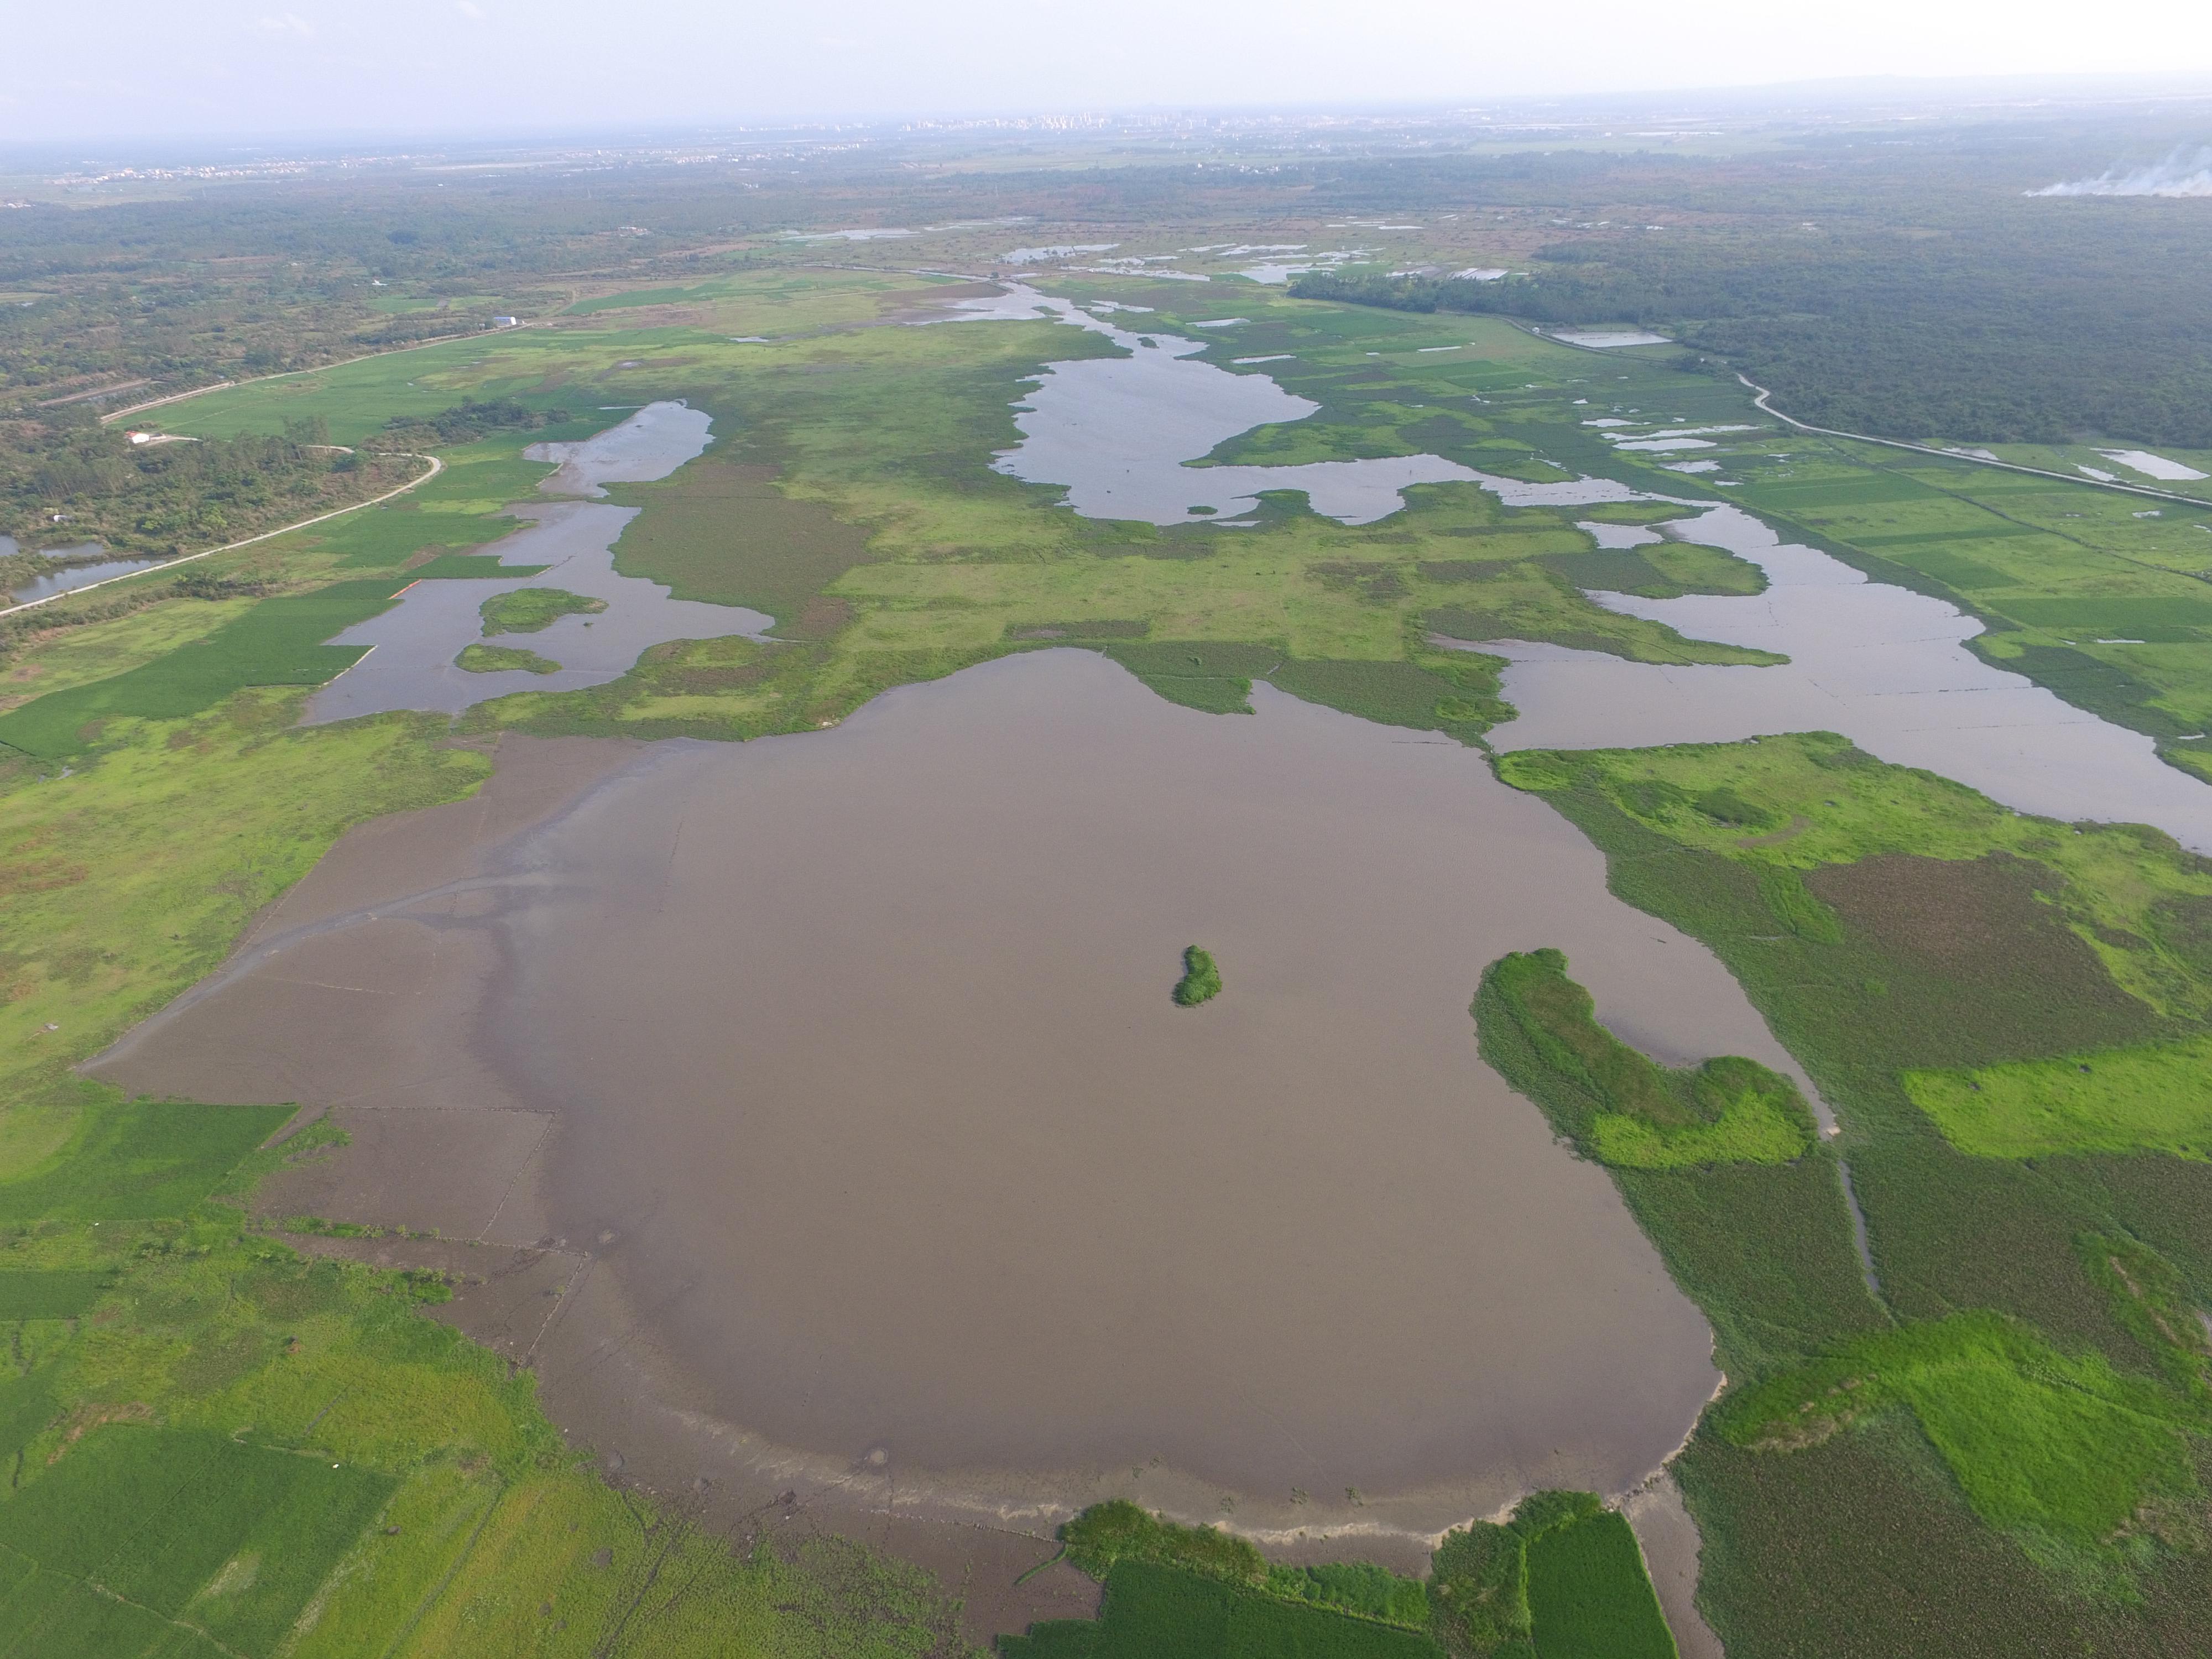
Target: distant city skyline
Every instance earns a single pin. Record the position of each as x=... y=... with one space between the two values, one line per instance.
x=238 y=68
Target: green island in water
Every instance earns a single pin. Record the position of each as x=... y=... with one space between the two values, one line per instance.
x=1201 y=979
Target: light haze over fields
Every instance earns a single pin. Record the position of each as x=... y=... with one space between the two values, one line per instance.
x=243 y=67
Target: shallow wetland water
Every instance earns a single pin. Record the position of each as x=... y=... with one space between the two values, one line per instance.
x=873 y=1108
x=412 y=646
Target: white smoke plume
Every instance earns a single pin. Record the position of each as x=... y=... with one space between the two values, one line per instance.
x=2184 y=173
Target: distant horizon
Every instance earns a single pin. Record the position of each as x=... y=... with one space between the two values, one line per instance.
x=1961 y=96
x=236 y=70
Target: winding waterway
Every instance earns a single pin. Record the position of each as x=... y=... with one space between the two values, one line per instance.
x=1885 y=666
x=412 y=646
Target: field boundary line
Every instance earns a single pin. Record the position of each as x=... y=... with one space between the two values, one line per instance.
x=1761 y=403
x=436 y=467
x=289 y=374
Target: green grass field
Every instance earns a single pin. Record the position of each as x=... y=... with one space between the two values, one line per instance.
x=1589 y=1596
x=53 y=1293
x=228 y=1539
x=2052 y=1446
x=2120 y=1100
x=129 y=1160
x=1157 y=1612
x=279 y=641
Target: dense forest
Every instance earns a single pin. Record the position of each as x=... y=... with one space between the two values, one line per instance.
x=67 y=480
x=2028 y=320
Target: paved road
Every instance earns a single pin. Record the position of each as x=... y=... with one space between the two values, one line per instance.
x=436 y=467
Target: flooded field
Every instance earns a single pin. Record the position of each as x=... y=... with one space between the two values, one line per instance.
x=411 y=663
x=877 y=1119
x=650 y=445
x=1885 y=666
x=1119 y=432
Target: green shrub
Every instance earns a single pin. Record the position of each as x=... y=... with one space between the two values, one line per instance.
x=1201 y=981
x=1117 y=1530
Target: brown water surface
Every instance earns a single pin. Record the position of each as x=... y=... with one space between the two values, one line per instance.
x=874 y=1112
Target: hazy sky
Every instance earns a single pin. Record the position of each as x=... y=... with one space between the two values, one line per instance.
x=204 y=68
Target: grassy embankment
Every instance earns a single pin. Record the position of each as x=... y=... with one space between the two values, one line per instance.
x=2026 y=1411
x=1562 y=1579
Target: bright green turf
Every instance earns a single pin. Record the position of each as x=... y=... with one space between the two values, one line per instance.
x=2048 y=1444
x=2157 y=1098
x=1589 y=1596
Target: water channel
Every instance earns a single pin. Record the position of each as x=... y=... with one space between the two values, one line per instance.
x=85 y=566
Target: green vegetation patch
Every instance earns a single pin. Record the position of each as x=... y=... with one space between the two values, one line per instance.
x=721 y=529
x=2157 y=1097
x=280 y=641
x=51 y=1293
x=26 y=1406
x=1201 y=979
x=1213 y=676
x=1118 y=1530
x=229 y=1537
x=2058 y=1449
x=1455 y=698
x=1590 y=1595
x=531 y=610
x=1155 y=1611
x=1355 y=1587
x=480 y=659
x=1562 y=1579
x=1663 y=570
x=1615 y=1103
x=132 y=1159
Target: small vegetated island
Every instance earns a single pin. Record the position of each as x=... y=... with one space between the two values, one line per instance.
x=1202 y=978
x=480 y=659
x=533 y=610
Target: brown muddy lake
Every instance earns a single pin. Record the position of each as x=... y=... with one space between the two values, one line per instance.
x=870 y=1099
